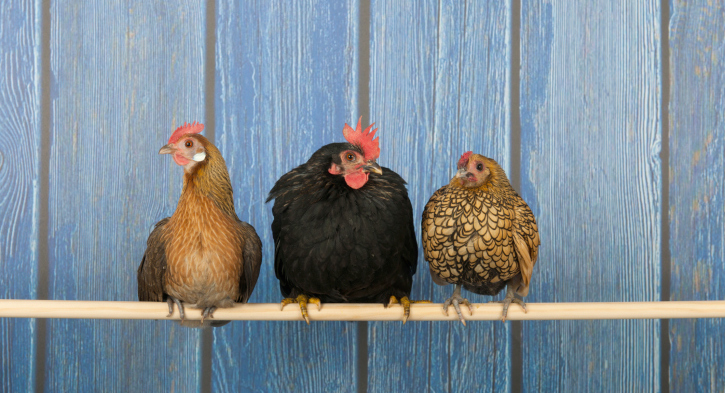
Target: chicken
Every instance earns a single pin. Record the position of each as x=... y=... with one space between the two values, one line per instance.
x=343 y=228
x=480 y=235
x=203 y=254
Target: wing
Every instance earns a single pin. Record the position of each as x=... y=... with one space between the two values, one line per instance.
x=526 y=240
x=295 y=226
x=303 y=238
x=288 y=184
x=281 y=204
x=410 y=244
x=402 y=216
x=392 y=217
x=153 y=266
x=285 y=192
x=433 y=235
x=252 y=260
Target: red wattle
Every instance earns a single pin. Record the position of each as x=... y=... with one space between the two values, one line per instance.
x=180 y=160
x=356 y=179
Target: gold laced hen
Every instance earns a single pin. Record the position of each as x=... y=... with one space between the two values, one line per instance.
x=480 y=235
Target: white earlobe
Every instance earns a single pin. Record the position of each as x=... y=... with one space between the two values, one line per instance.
x=199 y=157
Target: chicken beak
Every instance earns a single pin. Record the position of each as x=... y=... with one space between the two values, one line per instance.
x=168 y=149
x=462 y=173
x=373 y=166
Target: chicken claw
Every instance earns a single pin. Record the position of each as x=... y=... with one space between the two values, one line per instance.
x=170 y=301
x=207 y=313
x=302 y=300
x=405 y=302
x=510 y=298
x=456 y=300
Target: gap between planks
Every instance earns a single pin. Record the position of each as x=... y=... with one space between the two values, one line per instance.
x=78 y=309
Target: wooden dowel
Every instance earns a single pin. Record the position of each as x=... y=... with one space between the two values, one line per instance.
x=363 y=312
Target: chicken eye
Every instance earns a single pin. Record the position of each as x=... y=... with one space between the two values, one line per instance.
x=479 y=167
x=189 y=144
x=350 y=157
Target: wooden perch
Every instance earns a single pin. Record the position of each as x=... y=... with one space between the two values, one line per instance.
x=363 y=312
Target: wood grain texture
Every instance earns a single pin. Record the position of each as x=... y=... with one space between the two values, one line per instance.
x=125 y=74
x=286 y=83
x=697 y=210
x=20 y=31
x=20 y=308
x=438 y=87
x=590 y=112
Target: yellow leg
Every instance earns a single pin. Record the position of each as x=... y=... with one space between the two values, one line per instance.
x=405 y=302
x=302 y=300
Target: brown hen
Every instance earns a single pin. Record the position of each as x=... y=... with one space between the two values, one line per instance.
x=480 y=235
x=203 y=254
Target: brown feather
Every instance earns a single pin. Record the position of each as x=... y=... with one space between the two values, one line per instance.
x=203 y=250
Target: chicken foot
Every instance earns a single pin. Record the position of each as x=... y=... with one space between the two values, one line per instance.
x=405 y=302
x=170 y=300
x=510 y=298
x=456 y=300
x=208 y=313
x=302 y=300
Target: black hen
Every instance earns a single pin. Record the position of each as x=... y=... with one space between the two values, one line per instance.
x=343 y=228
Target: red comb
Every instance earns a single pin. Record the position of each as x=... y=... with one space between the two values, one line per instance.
x=193 y=128
x=364 y=139
x=464 y=158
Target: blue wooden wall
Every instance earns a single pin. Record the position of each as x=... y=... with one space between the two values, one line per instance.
x=612 y=122
x=20 y=119
x=590 y=159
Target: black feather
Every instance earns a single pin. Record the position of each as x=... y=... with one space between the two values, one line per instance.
x=341 y=244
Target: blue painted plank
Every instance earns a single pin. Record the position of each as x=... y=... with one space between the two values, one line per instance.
x=19 y=177
x=439 y=82
x=697 y=211
x=125 y=74
x=590 y=140
x=286 y=83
